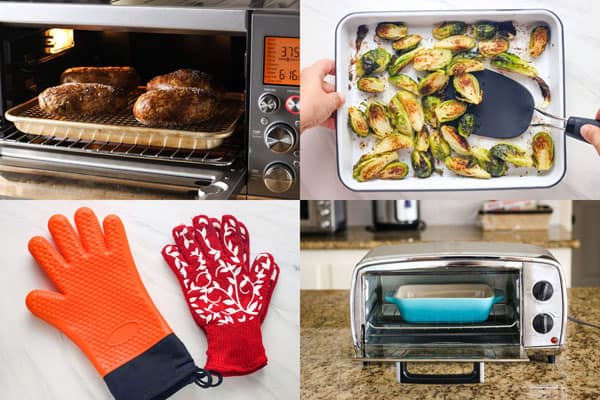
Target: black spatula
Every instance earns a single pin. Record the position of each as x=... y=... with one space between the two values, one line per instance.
x=507 y=108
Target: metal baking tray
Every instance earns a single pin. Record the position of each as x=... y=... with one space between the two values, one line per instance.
x=550 y=66
x=123 y=128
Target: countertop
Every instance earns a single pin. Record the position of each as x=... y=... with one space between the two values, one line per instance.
x=582 y=33
x=38 y=362
x=328 y=371
x=360 y=237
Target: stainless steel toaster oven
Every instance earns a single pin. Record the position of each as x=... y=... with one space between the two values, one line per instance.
x=457 y=302
x=322 y=216
x=250 y=47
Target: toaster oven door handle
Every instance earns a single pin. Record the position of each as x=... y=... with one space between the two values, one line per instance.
x=404 y=376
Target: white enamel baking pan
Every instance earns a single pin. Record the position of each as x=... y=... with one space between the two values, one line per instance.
x=550 y=66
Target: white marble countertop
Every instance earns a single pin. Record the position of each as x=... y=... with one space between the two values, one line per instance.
x=582 y=42
x=37 y=362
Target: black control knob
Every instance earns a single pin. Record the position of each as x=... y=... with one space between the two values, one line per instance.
x=542 y=290
x=278 y=178
x=543 y=323
x=280 y=138
x=268 y=103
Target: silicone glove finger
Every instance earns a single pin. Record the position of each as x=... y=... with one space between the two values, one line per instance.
x=189 y=249
x=89 y=230
x=208 y=237
x=65 y=238
x=264 y=274
x=115 y=237
x=49 y=260
x=232 y=241
x=47 y=305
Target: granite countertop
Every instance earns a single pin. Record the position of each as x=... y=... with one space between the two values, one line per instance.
x=360 y=237
x=328 y=371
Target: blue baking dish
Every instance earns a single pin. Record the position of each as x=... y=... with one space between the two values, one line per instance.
x=445 y=303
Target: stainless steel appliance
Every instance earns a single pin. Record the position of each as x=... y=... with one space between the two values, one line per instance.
x=396 y=214
x=251 y=47
x=322 y=216
x=528 y=318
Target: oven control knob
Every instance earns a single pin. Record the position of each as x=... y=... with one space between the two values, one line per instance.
x=542 y=290
x=268 y=103
x=543 y=323
x=278 y=178
x=280 y=138
x=325 y=224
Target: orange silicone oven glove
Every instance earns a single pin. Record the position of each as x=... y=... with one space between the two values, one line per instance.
x=103 y=307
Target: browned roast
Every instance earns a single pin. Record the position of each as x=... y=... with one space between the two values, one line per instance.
x=183 y=78
x=175 y=107
x=119 y=77
x=81 y=99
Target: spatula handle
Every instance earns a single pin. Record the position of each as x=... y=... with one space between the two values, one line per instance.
x=574 y=125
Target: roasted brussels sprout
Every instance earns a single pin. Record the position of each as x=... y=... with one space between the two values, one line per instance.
x=421 y=163
x=403 y=81
x=484 y=30
x=468 y=87
x=432 y=83
x=393 y=142
x=493 y=47
x=507 y=30
x=413 y=108
x=543 y=151
x=358 y=122
x=391 y=30
x=429 y=105
x=374 y=62
x=439 y=147
x=402 y=61
x=450 y=28
x=513 y=63
x=512 y=154
x=545 y=89
x=400 y=118
x=370 y=165
x=370 y=84
x=455 y=43
x=466 y=166
x=461 y=64
x=466 y=125
x=394 y=170
x=422 y=140
x=495 y=166
x=378 y=120
x=449 y=110
x=407 y=43
x=431 y=59
x=457 y=143
x=540 y=36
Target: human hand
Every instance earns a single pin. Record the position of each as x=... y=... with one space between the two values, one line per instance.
x=591 y=133
x=319 y=98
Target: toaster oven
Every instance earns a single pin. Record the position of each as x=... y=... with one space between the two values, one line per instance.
x=322 y=216
x=250 y=47
x=457 y=302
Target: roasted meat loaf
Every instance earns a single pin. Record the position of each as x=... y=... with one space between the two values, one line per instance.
x=183 y=78
x=175 y=107
x=120 y=77
x=82 y=99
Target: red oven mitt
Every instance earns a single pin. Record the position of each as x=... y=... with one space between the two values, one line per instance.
x=227 y=296
x=103 y=307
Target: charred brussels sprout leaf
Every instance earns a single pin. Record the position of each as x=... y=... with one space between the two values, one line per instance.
x=545 y=89
x=468 y=87
x=358 y=122
x=466 y=166
x=543 y=151
x=513 y=63
x=413 y=108
x=512 y=154
x=507 y=30
x=484 y=30
x=493 y=47
x=540 y=36
x=394 y=170
x=422 y=140
x=431 y=59
x=457 y=143
x=402 y=61
x=370 y=165
x=393 y=142
x=466 y=125
x=450 y=110
x=400 y=117
x=495 y=166
x=450 y=28
x=374 y=61
x=440 y=149
x=456 y=43
x=421 y=163
x=430 y=103
x=378 y=120
x=370 y=84
x=403 y=81
x=407 y=43
x=391 y=30
x=461 y=64
x=432 y=83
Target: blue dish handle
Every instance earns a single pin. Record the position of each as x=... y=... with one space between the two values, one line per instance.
x=498 y=296
x=390 y=298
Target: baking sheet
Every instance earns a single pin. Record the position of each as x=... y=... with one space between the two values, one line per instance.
x=550 y=66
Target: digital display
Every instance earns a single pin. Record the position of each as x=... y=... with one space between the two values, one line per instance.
x=282 y=61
